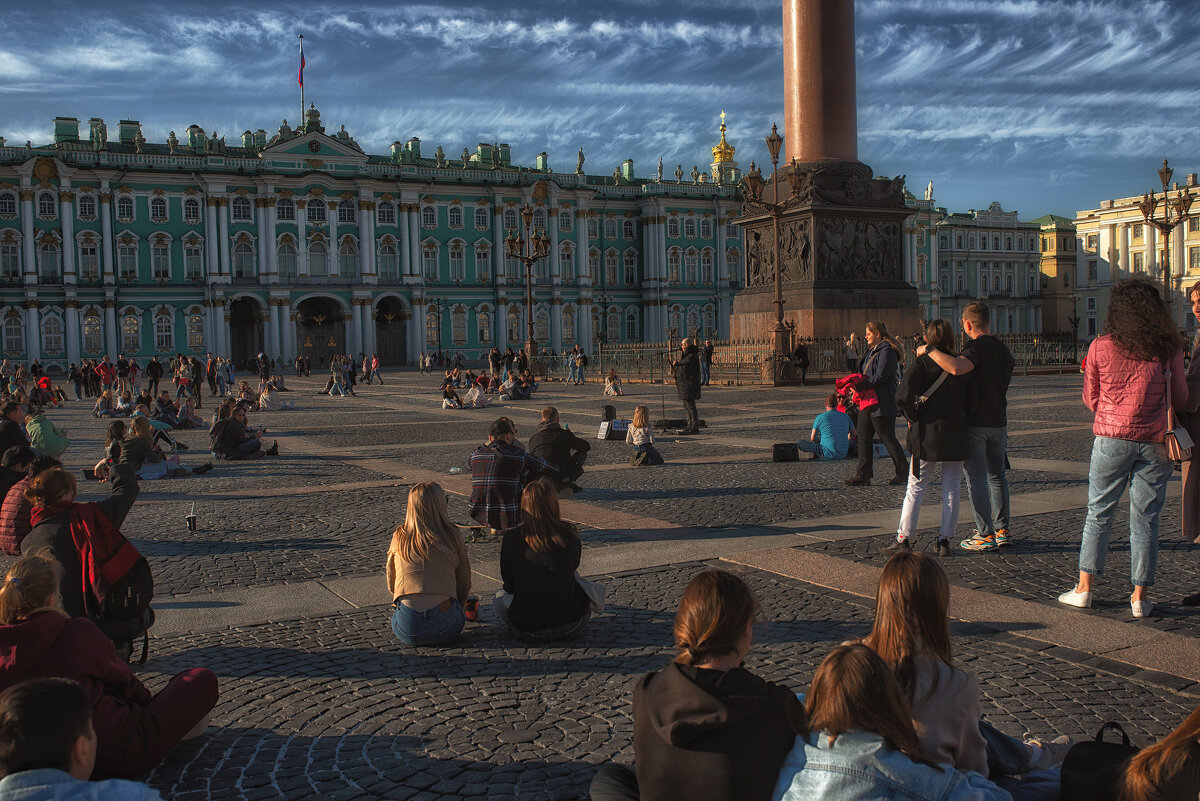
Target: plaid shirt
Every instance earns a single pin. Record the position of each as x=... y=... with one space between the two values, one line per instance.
x=497 y=478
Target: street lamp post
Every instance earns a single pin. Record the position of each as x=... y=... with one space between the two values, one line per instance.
x=752 y=186
x=1181 y=204
x=528 y=247
x=438 y=303
x=1074 y=321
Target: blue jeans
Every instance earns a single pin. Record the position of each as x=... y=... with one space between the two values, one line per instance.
x=246 y=448
x=814 y=448
x=1143 y=467
x=987 y=481
x=571 y=371
x=428 y=626
x=705 y=372
x=653 y=456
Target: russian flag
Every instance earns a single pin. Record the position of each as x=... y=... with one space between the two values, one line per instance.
x=302 y=62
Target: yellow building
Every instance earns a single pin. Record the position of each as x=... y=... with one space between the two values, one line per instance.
x=1115 y=243
x=1059 y=251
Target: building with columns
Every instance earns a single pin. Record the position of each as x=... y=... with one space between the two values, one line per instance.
x=302 y=243
x=921 y=252
x=1114 y=243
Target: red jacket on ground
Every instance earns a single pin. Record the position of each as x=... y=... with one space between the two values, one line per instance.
x=15 y=521
x=1128 y=395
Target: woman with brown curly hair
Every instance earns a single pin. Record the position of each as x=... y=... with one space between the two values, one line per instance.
x=1126 y=384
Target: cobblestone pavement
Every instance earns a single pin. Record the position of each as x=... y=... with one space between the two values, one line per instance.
x=331 y=706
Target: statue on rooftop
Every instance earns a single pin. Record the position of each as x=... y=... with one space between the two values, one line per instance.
x=660 y=169
x=579 y=163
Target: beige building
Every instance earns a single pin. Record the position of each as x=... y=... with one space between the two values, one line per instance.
x=1114 y=242
x=1059 y=252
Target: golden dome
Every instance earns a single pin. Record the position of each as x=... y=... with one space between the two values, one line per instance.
x=723 y=152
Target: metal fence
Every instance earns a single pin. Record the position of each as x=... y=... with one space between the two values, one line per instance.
x=752 y=361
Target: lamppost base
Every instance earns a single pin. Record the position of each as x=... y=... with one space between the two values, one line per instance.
x=531 y=349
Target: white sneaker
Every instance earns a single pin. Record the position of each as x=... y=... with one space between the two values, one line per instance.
x=1079 y=599
x=1141 y=608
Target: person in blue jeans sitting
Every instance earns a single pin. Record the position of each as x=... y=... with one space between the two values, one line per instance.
x=428 y=572
x=830 y=437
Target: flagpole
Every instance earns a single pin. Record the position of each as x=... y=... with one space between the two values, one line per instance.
x=300 y=123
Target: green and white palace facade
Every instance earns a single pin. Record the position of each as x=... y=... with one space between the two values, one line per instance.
x=301 y=243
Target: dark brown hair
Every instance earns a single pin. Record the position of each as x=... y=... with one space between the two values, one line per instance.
x=1139 y=323
x=911 y=616
x=541 y=521
x=881 y=330
x=853 y=690
x=50 y=486
x=831 y=401
x=1156 y=765
x=40 y=720
x=940 y=334
x=712 y=616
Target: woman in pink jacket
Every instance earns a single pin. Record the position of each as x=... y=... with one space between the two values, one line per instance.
x=1125 y=384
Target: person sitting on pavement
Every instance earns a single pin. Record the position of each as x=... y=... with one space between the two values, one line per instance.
x=704 y=727
x=641 y=436
x=450 y=399
x=475 y=398
x=247 y=394
x=12 y=427
x=831 y=433
x=187 y=415
x=148 y=460
x=612 y=384
x=135 y=729
x=16 y=514
x=231 y=439
x=911 y=634
x=498 y=471
x=269 y=400
x=14 y=466
x=125 y=404
x=428 y=571
x=862 y=742
x=1167 y=770
x=48 y=746
x=44 y=436
x=558 y=446
x=165 y=410
x=143 y=398
x=112 y=451
x=105 y=405
x=543 y=599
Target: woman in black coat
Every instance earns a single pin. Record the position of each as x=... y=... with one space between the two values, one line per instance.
x=934 y=403
x=879 y=369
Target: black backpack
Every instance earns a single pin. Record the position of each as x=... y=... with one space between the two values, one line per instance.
x=125 y=613
x=1092 y=769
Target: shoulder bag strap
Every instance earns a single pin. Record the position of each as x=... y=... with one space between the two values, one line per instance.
x=941 y=379
x=1171 y=422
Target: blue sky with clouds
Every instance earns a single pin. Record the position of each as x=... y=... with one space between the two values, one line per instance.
x=1044 y=105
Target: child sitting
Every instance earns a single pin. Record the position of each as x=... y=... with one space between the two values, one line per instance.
x=612 y=384
x=830 y=437
x=641 y=436
x=450 y=399
x=125 y=405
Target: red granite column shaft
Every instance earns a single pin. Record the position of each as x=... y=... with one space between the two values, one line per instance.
x=821 y=116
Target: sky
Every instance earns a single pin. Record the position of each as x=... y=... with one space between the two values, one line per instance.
x=1047 y=106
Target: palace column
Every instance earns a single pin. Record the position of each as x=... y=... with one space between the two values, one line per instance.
x=274 y=338
x=498 y=251
x=33 y=330
x=301 y=238
x=1150 y=237
x=220 y=325
x=211 y=237
x=71 y=307
x=355 y=343
x=106 y=237
x=403 y=234
x=267 y=241
x=27 y=244
x=289 y=331
x=260 y=216
x=209 y=338
x=67 y=216
x=1123 y=243
x=821 y=113
x=223 y=238
x=333 y=265
x=414 y=241
x=366 y=244
x=110 y=327
x=556 y=341
x=555 y=266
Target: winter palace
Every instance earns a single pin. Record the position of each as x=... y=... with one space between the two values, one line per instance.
x=301 y=243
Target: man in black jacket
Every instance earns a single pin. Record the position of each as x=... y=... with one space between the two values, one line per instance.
x=561 y=448
x=12 y=428
x=154 y=371
x=687 y=383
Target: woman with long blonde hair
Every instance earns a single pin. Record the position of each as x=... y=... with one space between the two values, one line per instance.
x=428 y=572
x=640 y=435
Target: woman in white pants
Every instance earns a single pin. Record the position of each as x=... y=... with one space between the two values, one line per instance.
x=935 y=405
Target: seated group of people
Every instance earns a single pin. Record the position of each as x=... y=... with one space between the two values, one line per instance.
x=513 y=386
x=232 y=437
x=889 y=716
x=33 y=428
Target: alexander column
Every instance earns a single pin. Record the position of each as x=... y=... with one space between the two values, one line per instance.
x=840 y=238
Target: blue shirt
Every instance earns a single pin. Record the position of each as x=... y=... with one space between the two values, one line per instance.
x=48 y=784
x=834 y=428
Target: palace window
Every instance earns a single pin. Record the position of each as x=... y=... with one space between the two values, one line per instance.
x=432 y=339
x=46 y=205
x=316 y=210
x=1009 y=283
x=240 y=209
x=455 y=217
x=511 y=269
x=285 y=210
x=8 y=204
x=514 y=325
x=710 y=326
x=1193 y=260
x=630 y=268
x=1139 y=262
x=318 y=260
x=510 y=219
x=481 y=218
x=689 y=263
x=14 y=335
x=566 y=260
x=673 y=227
x=158 y=209
x=995 y=243
x=731 y=231
x=693 y=323
x=631 y=326
x=348 y=260
x=610 y=268
x=566 y=222
x=706 y=228
x=594 y=265
x=164 y=332
x=243 y=261
x=483 y=262
x=983 y=284
x=1137 y=230
x=131 y=333
x=458 y=264
x=539 y=219
x=92 y=340
x=920 y=237
x=125 y=207
x=458 y=326
x=286 y=256
x=388 y=265
x=89 y=263
x=568 y=325
x=541 y=326
x=673 y=259
x=961 y=284
x=347 y=212
x=1193 y=224
x=386 y=213
x=52 y=335
x=49 y=263
x=484 y=323
x=160 y=261
x=193 y=264
x=706 y=266
x=593 y=226
x=195 y=332
x=191 y=210
x=429 y=217
x=610 y=229
x=689 y=228
x=541 y=270
x=675 y=320
x=958 y=240
x=983 y=243
x=429 y=262
x=612 y=323
x=629 y=230
x=87 y=207
x=127 y=262
x=10 y=260
x=1007 y=243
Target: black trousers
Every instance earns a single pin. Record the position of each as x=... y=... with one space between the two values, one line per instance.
x=885 y=427
x=614 y=783
x=689 y=410
x=152 y=387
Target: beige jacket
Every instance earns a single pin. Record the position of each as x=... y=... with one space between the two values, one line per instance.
x=446 y=572
x=946 y=714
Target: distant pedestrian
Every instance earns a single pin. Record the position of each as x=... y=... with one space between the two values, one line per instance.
x=706 y=362
x=687 y=383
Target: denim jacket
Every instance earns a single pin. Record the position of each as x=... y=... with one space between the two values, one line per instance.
x=860 y=766
x=48 y=784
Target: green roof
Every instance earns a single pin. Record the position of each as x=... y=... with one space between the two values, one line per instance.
x=1054 y=219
